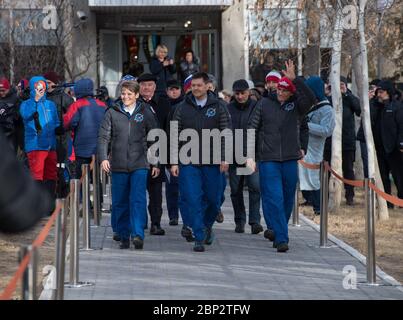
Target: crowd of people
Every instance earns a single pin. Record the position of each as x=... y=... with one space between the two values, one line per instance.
x=292 y=116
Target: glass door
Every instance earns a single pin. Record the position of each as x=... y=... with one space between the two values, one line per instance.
x=206 y=50
x=110 y=62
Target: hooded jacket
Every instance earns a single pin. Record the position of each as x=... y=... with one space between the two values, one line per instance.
x=84 y=117
x=127 y=135
x=48 y=119
x=278 y=124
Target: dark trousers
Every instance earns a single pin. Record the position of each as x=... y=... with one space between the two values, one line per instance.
x=313 y=198
x=364 y=157
x=172 y=196
x=236 y=184
x=348 y=171
x=154 y=188
x=391 y=163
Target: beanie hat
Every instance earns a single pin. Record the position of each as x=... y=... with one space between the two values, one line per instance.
x=317 y=85
x=343 y=79
x=387 y=85
x=84 y=88
x=52 y=76
x=286 y=84
x=4 y=84
x=187 y=83
x=240 y=85
x=146 y=77
x=273 y=76
x=128 y=77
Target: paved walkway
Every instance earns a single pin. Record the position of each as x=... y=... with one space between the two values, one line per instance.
x=236 y=266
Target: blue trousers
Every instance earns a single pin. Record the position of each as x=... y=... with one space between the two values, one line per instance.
x=278 y=182
x=200 y=189
x=129 y=203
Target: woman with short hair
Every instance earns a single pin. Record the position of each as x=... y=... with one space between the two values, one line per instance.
x=125 y=128
x=163 y=67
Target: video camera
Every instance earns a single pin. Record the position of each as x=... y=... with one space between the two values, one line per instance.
x=64 y=85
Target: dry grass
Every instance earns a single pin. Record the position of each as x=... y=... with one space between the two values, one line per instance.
x=9 y=249
x=349 y=225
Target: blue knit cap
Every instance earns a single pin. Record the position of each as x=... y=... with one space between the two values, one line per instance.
x=317 y=85
x=84 y=88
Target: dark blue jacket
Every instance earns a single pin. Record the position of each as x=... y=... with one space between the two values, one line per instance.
x=84 y=117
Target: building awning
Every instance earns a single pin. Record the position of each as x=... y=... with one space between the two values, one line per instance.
x=148 y=6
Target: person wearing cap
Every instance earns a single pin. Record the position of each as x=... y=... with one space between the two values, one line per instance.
x=272 y=79
x=387 y=129
x=276 y=122
x=160 y=107
x=40 y=123
x=162 y=67
x=62 y=101
x=84 y=118
x=240 y=109
x=200 y=180
x=10 y=120
x=321 y=123
x=124 y=130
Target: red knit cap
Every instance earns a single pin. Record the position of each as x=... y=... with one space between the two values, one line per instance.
x=286 y=84
x=4 y=84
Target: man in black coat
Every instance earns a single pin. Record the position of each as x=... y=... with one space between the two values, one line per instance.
x=10 y=120
x=240 y=109
x=160 y=107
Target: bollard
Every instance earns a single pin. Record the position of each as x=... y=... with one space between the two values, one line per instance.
x=103 y=180
x=74 y=236
x=324 y=203
x=29 y=278
x=295 y=211
x=74 y=226
x=370 y=230
x=86 y=207
x=96 y=192
x=61 y=237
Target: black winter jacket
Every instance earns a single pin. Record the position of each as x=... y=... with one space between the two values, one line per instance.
x=162 y=73
x=161 y=108
x=10 y=120
x=214 y=115
x=278 y=125
x=22 y=201
x=387 y=125
x=351 y=107
x=127 y=136
x=62 y=101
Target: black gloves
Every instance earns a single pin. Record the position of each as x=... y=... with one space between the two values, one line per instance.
x=38 y=126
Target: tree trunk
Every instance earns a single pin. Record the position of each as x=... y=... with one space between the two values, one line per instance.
x=312 y=51
x=335 y=185
x=360 y=63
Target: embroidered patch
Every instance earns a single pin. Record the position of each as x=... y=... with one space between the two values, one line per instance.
x=139 y=117
x=211 y=112
x=289 y=106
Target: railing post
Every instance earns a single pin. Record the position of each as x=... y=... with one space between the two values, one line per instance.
x=86 y=207
x=370 y=231
x=295 y=211
x=96 y=192
x=74 y=226
x=324 y=203
x=61 y=235
x=30 y=275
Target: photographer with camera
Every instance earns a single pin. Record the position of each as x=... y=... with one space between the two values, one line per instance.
x=163 y=67
x=41 y=122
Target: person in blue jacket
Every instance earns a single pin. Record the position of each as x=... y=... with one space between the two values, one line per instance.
x=41 y=124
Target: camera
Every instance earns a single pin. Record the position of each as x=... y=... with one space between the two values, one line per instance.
x=82 y=16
